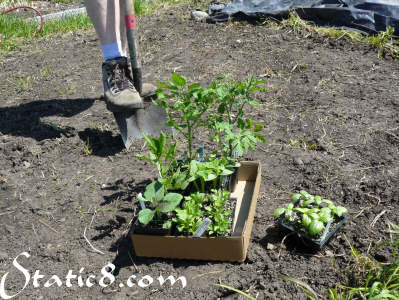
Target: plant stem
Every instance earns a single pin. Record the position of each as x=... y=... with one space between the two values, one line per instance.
x=196 y=185
x=203 y=185
x=190 y=141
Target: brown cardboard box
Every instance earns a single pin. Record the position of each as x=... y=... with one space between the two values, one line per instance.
x=231 y=248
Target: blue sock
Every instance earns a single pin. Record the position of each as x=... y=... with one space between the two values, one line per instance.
x=113 y=50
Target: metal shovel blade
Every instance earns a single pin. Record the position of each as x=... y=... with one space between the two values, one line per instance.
x=150 y=120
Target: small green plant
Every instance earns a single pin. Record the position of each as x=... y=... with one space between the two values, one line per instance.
x=190 y=102
x=212 y=170
x=302 y=143
x=383 y=42
x=23 y=83
x=311 y=213
x=217 y=212
x=199 y=206
x=190 y=217
x=162 y=153
x=87 y=148
x=160 y=203
x=229 y=127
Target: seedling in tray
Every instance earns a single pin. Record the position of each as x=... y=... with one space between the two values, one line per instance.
x=159 y=204
x=311 y=217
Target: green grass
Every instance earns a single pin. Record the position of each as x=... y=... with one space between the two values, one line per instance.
x=16 y=32
x=237 y=291
x=371 y=280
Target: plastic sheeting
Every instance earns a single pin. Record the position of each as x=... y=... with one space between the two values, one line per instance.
x=368 y=16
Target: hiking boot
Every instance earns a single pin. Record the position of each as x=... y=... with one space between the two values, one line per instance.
x=119 y=91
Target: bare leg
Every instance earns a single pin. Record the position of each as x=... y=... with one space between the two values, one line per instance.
x=108 y=20
x=107 y=17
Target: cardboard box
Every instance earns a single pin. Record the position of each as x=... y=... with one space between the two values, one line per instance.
x=231 y=248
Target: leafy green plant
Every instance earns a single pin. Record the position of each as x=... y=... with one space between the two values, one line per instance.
x=199 y=206
x=190 y=217
x=312 y=213
x=228 y=126
x=162 y=153
x=160 y=203
x=187 y=105
x=383 y=42
x=212 y=170
x=218 y=214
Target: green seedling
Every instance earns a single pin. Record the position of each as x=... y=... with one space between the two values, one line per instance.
x=228 y=126
x=87 y=148
x=216 y=211
x=190 y=217
x=162 y=153
x=187 y=105
x=212 y=170
x=384 y=42
x=310 y=212
x=160 y=203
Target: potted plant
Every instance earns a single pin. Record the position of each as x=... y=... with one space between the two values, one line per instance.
x=311 y=217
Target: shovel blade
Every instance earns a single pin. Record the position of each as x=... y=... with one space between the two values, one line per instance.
x=151 y=120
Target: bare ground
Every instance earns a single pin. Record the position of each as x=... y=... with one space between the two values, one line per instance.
x=336 y=95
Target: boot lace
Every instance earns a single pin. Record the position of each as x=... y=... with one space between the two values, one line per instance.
x=119 y=79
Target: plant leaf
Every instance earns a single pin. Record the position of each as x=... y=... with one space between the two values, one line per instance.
x=154 y=192
x=167 y=224
x=258 y=127
x=289 y=206
x=315 y=227
x=178 y=80
x=295 y=197
x=278 y=212
x=146 y=215
x=170 y=202
x=340 y=210
x=306 y=220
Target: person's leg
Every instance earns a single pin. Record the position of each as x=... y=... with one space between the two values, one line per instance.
x=109 y=25
x=119 y=91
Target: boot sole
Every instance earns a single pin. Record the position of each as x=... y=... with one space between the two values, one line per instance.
x=116 y=108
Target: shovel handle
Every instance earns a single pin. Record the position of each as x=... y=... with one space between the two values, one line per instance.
x=131 y=33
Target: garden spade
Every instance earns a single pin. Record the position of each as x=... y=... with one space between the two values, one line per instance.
x=151 y=119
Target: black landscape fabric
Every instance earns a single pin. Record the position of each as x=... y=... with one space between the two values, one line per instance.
x=368 y=16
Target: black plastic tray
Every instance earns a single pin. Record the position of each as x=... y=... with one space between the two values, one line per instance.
x=314 y=242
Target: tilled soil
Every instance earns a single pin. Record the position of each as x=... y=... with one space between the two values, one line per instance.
x=337 y=96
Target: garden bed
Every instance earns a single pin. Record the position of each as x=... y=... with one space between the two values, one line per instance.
x=335 y=95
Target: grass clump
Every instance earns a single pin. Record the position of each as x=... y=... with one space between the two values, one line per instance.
x=16 y=31
x=370 y=279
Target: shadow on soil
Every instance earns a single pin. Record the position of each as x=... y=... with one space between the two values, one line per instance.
x=24 y=119
x=100 y=142
x=124 y=191
x=281 y=237
x=126 y=257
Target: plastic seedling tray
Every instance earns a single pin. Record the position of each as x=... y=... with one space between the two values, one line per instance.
x=328 y=232
x=326 y=235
